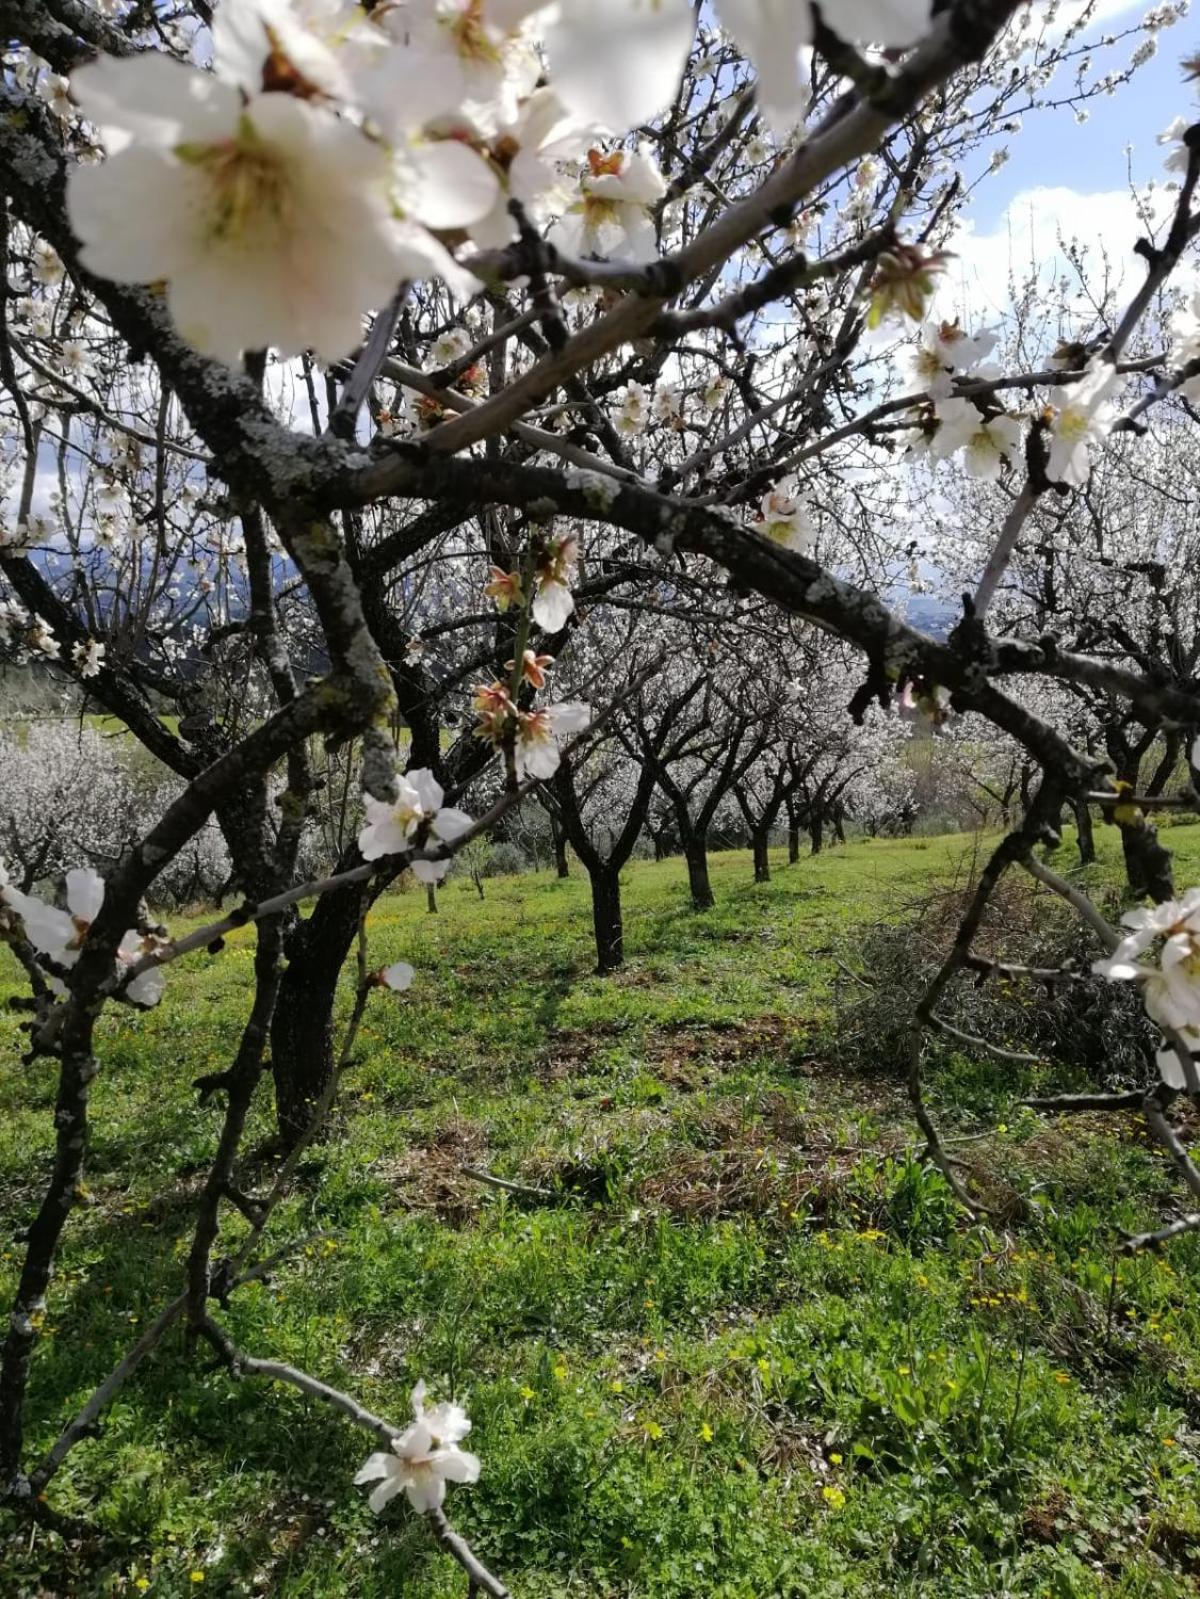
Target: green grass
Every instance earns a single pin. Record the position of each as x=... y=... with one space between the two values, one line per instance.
x=750 y=1348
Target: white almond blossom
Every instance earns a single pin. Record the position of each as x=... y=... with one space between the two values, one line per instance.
x=667 y=405
x=59 y=935
x=423 y=1458
x=398 y=977
x=1185 y=342
x=470 y=58
x=712 y=395
x=785 y=519
x=41 y=638
x=325 y=44
x=56 y=92
x=633 y=413
x=1170 y=991
x=988 y=443
x=553 y=602
x=539 y=734
x=610 y=216
x=270 y=218
x=45 y=266
x=527 y=150
x=88 y=657
x=941 y=350
x=1170 y=1067
x=1177 y=154
x=1079 y=415
x=416 y=816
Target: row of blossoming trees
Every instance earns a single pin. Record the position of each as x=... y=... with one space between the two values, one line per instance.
x=363 y=370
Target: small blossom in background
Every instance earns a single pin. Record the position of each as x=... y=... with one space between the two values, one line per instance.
x=423 y=1458
x=784 y=518
x=552 y=600
x=633 y=413
x=1185 y=342
x=610 y=216
x=40 y=637
x=88 y=657
x=414 y=818
x=539 y=733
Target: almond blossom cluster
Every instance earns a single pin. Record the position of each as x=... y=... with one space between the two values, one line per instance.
x=1076 y=416
x=335 y=151
x=1170 y=991
x=534 y=734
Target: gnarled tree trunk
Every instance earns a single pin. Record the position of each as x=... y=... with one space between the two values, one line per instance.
x=760 y=844
x=606 y=918
x=695 y=851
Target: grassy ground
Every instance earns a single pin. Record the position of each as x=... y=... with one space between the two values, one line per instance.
x=749 y=1348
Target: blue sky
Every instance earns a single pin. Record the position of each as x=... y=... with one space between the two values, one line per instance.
x=1069 y=183
x=1053 y=149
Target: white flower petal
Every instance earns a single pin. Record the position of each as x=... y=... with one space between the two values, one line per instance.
x=449 y=185
x=85 y=893
x=376 y=1465
x=619 y=64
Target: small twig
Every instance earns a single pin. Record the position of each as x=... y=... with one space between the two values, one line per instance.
x=1074 y=897
x=505 y=1185
x=1013 y=1056
x=367 y=368
x=1072 y=1103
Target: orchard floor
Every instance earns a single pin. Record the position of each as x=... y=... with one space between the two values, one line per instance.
x=748 y=1347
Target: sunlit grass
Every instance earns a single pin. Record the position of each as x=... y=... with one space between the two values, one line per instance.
x=749 y=1347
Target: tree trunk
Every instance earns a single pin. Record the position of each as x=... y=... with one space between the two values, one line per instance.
x=839 y=827
x=561 y=864
x=695 y=852
x=1086 y=837
x=606 y=919
x=431 y=898
x=793 y=843
x=1147 y=862
x=816 y=834
x=302 y=1026
x=762 y=860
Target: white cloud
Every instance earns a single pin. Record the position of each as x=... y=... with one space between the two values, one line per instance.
x=1069 y=12
x=1042 y=232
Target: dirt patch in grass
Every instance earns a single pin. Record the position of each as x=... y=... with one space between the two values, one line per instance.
x=747 y=1179
x=429 y=1176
